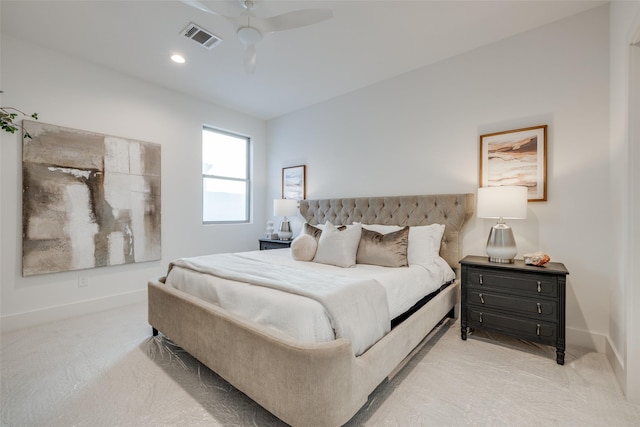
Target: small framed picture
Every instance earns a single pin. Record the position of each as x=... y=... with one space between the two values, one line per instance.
x=293 y=182
x=516 y=157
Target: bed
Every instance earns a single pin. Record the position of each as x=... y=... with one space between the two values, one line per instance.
x=308 y=383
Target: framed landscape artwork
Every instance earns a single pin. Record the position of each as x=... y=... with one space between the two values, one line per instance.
x=293 y=182
x=516 y=157
x=89 y=200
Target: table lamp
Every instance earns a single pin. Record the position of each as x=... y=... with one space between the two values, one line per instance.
x=502 y=202
x=285 y=208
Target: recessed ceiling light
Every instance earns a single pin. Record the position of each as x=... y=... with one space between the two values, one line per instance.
x=177 y=58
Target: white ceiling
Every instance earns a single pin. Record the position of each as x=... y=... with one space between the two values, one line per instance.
x=365 y=42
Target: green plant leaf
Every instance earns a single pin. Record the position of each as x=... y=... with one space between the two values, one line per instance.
x=6 y=120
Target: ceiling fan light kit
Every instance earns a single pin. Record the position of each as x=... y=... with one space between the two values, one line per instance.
x=250 y=31
x=249 y=35
x=250 y=59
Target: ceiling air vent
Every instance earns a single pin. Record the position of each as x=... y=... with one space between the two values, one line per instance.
x=201 y=36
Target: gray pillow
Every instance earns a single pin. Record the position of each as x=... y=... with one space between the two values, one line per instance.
x=315 y=232
x=386 y=250
x=312 y=231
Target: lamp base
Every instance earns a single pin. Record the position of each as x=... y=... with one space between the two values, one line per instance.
x=501 y=245
x=284 y=232
x=501 y=260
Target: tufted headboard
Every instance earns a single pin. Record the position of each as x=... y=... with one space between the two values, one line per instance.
x=452 y=210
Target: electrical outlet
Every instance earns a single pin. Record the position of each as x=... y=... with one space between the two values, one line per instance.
x=83 y=281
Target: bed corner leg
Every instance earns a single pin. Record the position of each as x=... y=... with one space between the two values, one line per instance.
x=154 y=331
x=452 y=313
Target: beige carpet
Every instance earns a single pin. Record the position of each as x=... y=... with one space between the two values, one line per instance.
x=106 y=370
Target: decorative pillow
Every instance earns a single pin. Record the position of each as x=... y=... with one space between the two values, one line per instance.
x=317 y=230
x=384 y=229
x=340 y=227
x=387 y=250
x=337 y=247
x=312 y=231
x=424 y=241
x=303 y=247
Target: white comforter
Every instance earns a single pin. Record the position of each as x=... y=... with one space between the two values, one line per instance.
x=304 y=317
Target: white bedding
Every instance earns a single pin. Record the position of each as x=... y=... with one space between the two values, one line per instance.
x=303 y=318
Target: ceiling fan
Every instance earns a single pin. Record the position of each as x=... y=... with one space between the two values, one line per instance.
x=250 y=29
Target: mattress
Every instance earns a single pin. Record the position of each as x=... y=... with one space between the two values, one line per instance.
x=302 y=318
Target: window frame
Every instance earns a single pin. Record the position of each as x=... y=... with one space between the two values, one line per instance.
x=247 y=180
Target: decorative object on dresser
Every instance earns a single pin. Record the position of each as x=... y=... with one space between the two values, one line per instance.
x=294 y=182
x=270 y=233
x=520 y=300
x=516 y=157
x=285 y=208
x=537 y=258
x=502 y=202
x=266 y=244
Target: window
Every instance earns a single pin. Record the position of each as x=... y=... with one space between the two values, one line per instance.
x=225 y=177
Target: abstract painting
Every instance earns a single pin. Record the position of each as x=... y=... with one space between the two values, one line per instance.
x=293 y=182
x=89 y=200
x=516 y=157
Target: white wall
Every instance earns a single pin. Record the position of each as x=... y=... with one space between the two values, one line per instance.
x=419 y=133
x=72 y=93
x=624 y=353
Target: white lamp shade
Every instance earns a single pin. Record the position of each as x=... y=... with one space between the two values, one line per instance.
x=508 y=202
x=285 y=207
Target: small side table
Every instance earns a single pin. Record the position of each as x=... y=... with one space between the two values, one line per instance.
x=266 y=244
x=516 y=299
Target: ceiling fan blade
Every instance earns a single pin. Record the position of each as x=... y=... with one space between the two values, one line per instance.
x=196 y=4
x=204 y=8
x=291 y=20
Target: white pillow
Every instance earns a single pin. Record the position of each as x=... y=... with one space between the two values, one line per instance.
x=303 y=247
x=426 y=244
x=424 y=241
x=337 y=247
x=321 y=226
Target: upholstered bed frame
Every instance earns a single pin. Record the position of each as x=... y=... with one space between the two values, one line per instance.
x=314 y=384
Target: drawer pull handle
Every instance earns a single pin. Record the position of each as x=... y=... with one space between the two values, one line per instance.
x=480 y=317
x=539 y=308
x=481 y=299
x=538 y=329
x=539 y=286
x=480 y=275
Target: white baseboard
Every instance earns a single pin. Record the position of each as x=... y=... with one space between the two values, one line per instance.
x=586 y=339
x=617 y=364
x=51 y=314
x=601 y=344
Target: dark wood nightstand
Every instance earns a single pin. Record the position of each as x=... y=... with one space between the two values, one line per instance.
x=520 y=300
x=274 y=244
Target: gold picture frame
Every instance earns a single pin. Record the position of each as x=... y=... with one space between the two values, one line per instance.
x=516 y=157
x=294 y=182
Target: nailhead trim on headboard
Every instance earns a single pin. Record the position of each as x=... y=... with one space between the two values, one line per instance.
x=452 y=210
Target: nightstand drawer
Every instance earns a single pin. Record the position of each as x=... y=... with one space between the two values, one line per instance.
x=530 y=307
x=266 y=244
x=540 y=331
x=524 y=283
